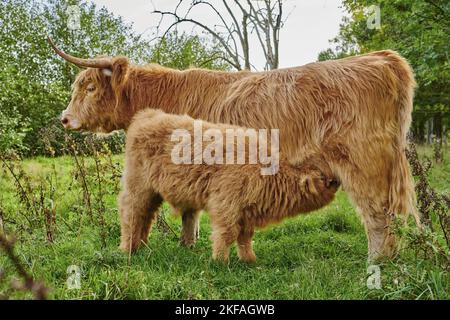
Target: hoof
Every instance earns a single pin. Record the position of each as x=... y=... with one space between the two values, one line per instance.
x=187 y=242
x=249 y=260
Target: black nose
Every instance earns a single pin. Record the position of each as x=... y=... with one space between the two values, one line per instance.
x=64 y=120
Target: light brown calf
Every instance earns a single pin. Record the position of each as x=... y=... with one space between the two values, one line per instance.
x=237 y=197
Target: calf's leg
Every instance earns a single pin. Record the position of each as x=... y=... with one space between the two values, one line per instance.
x=138 y=212
x=138 y=202
x=223 y=236
x=190 y=230
x=245 y=245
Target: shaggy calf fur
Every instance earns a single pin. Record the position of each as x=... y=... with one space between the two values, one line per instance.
x=237 y=197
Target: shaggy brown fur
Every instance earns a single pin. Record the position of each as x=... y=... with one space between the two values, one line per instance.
x=357 y=110
x=237 y=197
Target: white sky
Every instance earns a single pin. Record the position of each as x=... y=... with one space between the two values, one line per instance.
x=310 y=25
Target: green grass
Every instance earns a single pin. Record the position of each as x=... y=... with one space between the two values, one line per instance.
x=317 y=256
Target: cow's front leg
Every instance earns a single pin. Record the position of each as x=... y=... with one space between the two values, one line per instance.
x=190 y=230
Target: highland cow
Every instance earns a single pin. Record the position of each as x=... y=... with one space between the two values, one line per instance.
x=356 y=111
x=237 y=196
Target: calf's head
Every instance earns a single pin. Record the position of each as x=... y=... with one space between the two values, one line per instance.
x=98 y=99
x=318 y=184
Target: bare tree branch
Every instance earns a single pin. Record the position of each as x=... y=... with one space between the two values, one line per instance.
x=38 y=289
x=219 y=38
x=236 y=19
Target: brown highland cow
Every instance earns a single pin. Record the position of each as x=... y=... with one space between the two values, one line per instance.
x=237 y=197
x=356 y=111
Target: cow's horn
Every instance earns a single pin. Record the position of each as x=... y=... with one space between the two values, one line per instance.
x=87 y=63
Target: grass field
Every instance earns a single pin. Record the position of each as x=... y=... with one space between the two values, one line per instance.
x=317 y=256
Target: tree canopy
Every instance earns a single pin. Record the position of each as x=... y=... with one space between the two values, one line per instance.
x=417 y=29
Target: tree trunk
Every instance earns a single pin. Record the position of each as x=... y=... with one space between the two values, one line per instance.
x=430 y=131
x=437 y=119
x=420 y=133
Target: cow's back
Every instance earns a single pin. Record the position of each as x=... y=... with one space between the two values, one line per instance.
x=320 y=103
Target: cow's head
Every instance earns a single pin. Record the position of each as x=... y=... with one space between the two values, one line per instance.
x=97 y=94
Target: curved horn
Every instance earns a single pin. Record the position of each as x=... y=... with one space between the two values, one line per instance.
x=87 y=63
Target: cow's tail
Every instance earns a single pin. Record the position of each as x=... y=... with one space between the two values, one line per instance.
x=402 y=196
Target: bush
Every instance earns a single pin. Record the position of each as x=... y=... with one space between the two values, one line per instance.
x=53 y=141
x=13 y=129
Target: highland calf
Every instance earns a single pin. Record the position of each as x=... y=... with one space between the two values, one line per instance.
x=237 y=196
x=356 y=110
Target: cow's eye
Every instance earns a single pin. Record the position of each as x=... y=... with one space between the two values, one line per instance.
x=90 y=88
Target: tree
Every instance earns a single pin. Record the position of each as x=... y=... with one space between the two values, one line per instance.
x=237 y=20
x=185 y=51
x=418 y=29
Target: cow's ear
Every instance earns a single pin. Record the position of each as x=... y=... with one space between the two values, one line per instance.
x=107 y=72
x=118 y=71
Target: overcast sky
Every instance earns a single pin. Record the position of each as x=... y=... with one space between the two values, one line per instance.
x=310 y=25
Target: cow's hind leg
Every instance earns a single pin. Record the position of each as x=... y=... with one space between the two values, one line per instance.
x=381 y=239
x=370 y=195
x=366 y=177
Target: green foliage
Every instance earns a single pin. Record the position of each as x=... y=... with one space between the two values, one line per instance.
x=53 y=140
x=418 y=30
x=185 y=51
x=30 y=102
x=12 y=132
x=329 y=54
